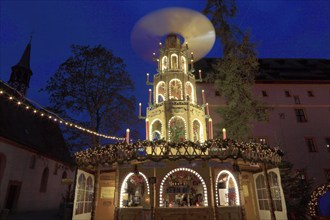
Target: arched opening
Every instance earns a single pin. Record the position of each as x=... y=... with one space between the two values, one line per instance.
x=177 y=129
x=44 y=180
x=197 y=131
x=164 y=63
x=64 y=175
x=227 y=193
x=174 y=61
x=134 y=191
x=190 y=92
x=160 y=92
x=175 y=89
x=182 y=187
x=183 y=64
x=156 y=130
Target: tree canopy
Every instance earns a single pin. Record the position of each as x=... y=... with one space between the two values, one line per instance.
x=234 y=74
x=92 y=87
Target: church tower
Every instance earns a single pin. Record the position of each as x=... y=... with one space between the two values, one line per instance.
x=174 y=114
x=21 y=72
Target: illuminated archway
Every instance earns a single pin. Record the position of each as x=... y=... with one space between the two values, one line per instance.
x=160 y=92
x=190 y=92
x=175 y=87
x=177 y=129
x=197 y=131
x=224 y=178
x=156 y=127
x=174 y=61
x=123 y=187
x=205 y=199
x=164 y=63
x=183 y=64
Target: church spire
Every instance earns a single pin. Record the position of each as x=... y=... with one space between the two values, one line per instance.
x=21 y=72
x=25 y=59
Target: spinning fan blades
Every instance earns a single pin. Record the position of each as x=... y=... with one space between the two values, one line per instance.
x=193 y=27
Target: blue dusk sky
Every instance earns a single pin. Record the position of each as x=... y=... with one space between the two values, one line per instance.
x=281 y=28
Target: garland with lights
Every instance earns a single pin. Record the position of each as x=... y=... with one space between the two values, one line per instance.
x=317 y=193
x=160 y=150
x=24 y=103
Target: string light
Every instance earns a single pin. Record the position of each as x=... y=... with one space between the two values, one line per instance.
x=52 y=116
x=120 y=152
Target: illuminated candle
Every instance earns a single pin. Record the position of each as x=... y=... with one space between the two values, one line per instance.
x=203 y=96
x=187 y=46
x=224 y=135
x=200 y=74
x=147 y=78
x=127 y=136
x=140 y=105
x=207 y=109
x=160 y=44
x=210 y=129
x=149 y=95
x=147 y=129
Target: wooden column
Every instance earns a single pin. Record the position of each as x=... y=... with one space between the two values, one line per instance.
x=212 y=193
x=96 y=192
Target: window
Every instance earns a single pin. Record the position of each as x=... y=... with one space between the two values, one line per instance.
x=275 y=191
x=217 y=93
x=85 y=193
x=282 y=115
x=310 y=93
x=44 y=180
x=296 y=99
x=33 y=162
x=311 y=144
x=264 y=93
x=89 y=195
x=81 y=194
x=287 y=93
x=300 y=115
x=64 y=175
x=262 y=193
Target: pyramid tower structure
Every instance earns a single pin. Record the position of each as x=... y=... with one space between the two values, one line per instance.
x=173 y=113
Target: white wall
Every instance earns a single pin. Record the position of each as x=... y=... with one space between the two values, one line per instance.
x=17 y=168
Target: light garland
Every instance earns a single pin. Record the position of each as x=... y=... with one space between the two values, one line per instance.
x=317 y=193
x=163 y=150
x=24 y=103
